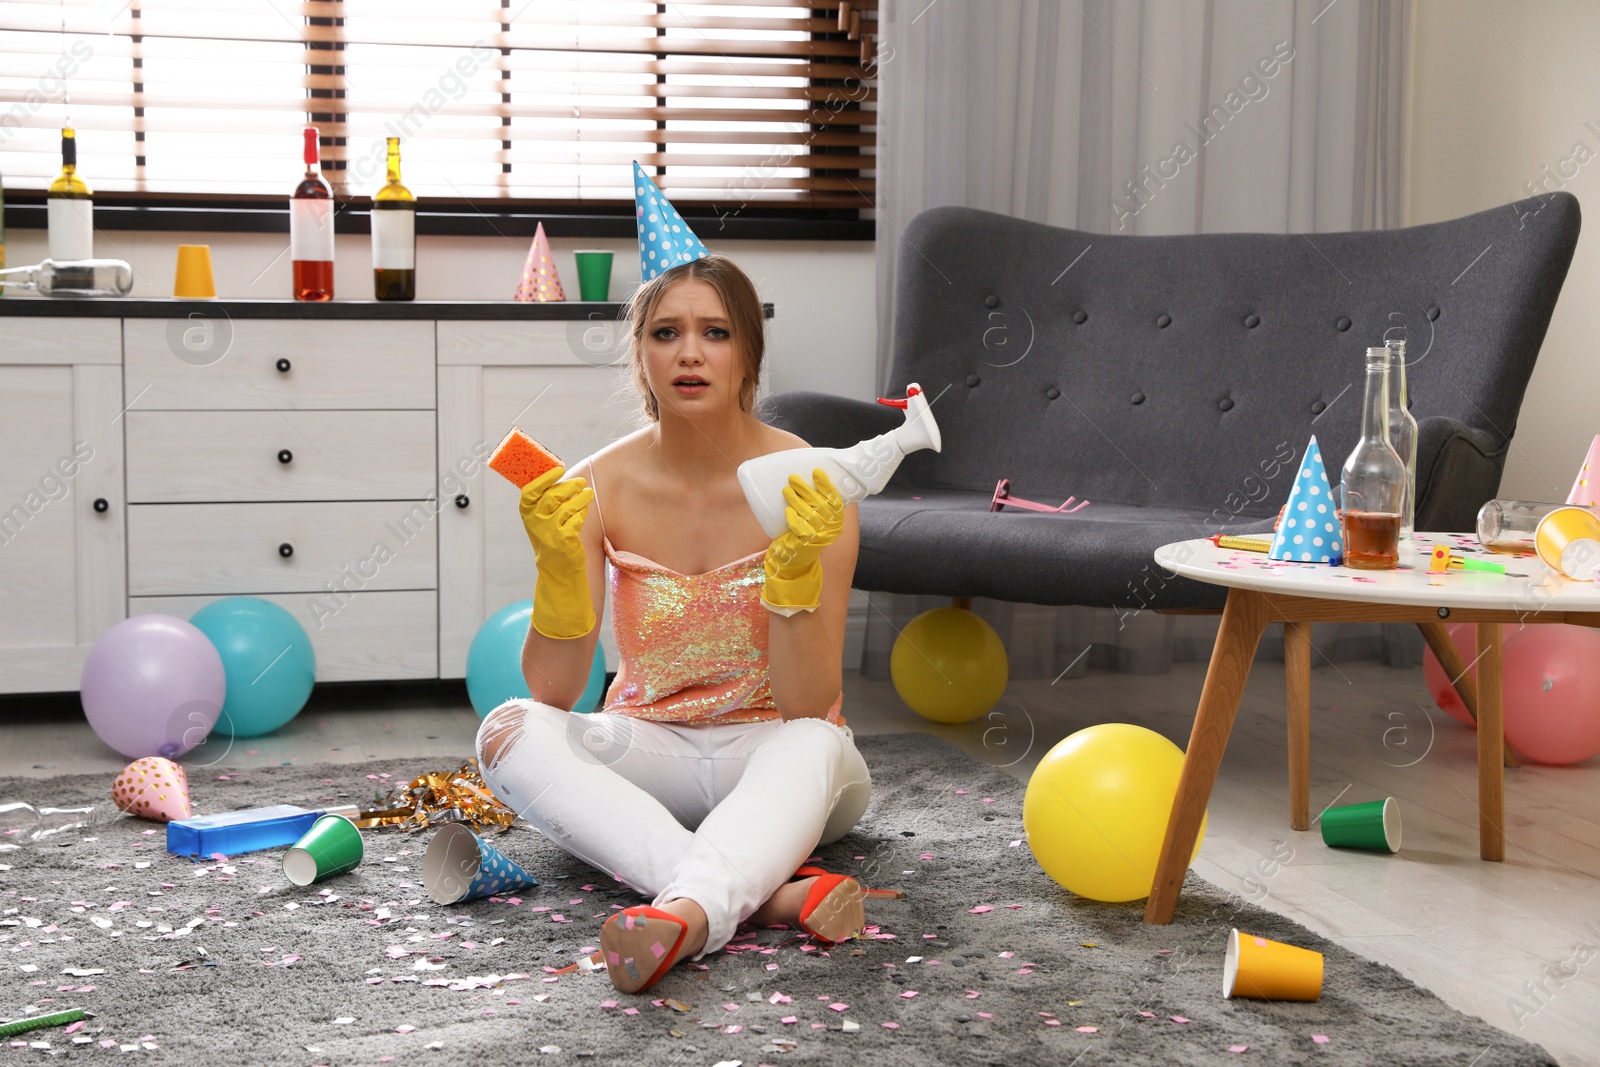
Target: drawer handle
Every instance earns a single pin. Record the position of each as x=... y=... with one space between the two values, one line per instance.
x=285 y=456
x=102 y=505
x=286 y=550
x=461 y=500
x=283 y=366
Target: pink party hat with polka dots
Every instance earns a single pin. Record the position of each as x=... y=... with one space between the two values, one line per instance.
x=1586 y=486
x=665 y=240
x=540 y=284
x=1309 y=532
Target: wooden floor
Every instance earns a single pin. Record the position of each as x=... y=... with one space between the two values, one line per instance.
x=1499 y=940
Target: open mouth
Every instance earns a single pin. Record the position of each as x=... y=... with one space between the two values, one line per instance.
x=689 y=383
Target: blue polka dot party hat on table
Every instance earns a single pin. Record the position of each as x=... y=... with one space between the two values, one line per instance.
x=459 y=865
x=665 y=240
x=1309 y=532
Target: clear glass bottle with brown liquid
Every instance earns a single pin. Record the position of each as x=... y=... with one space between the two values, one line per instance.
x=1373 y=485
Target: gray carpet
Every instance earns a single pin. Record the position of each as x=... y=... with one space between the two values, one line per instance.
x=214 y=963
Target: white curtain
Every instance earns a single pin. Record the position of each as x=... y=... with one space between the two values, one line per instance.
x=1137 y=117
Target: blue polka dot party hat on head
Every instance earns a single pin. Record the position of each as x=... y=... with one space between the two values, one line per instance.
x=459 y=865
x=665 y=240
x=1309 y=532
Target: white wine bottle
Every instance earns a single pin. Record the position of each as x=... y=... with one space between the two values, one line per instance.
x=311 y=228
x=394 y=235
x=70 y=207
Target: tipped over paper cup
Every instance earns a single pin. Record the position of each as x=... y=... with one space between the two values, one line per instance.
x=332 y=846
x=1374 y=825
x=1270 y=970
x=459 y=865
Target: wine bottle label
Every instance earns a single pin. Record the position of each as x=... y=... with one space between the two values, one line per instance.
x=394 y=240
x=311 y=229
x=71 y=223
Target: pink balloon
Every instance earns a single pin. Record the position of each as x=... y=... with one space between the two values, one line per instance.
x=153 y=685
x=1465 y=637
x=1552 y=693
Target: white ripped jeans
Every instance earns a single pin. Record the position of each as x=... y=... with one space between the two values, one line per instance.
x=721 y=815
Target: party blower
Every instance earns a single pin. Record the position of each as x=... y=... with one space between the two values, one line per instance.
x=857 y=472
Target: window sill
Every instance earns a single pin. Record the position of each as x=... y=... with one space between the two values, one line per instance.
x=26 y=210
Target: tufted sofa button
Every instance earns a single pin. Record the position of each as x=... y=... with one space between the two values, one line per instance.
x=1136 y=398
x=1433 y=314
x=1163 y=321
x=1343 y=324
x=1252 y=321
x=1052 y=392
x=991 y=301
x=1225 y=404
x=972 y=380
x=1080 y=317
x=1318 y=407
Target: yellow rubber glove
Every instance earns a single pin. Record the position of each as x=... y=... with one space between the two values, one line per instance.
x=553 y=512
x=794 y=566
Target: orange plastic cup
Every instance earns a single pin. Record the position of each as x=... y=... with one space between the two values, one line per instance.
x=1270 y=970
x=1568 y=540
x=194 y=280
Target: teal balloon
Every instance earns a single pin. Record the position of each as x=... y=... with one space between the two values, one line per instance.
x=267 y=658
x=494 y=663
x=595 y=691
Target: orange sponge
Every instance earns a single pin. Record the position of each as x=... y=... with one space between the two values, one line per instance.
x=520 y=459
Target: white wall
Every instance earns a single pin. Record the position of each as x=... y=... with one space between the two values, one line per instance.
x=822 y=336
x=1502 y=90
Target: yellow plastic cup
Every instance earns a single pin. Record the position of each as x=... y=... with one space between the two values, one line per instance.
x=1568 y=540
x=194 y=280
x=1270 y=970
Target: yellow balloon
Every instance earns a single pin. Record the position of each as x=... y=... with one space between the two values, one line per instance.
x=949 y=665
x=1096 y=810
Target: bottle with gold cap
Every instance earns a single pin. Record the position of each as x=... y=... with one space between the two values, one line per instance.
x=394 y=235
x=70 y=207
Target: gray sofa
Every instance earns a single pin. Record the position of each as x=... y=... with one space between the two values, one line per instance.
x=1174 y=382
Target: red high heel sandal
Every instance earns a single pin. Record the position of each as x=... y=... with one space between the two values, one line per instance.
x=634 y=939
x=833 y=910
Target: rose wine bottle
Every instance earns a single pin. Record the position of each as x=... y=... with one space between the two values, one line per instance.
x=70 y=208
x=394 y=235
x=311 y=228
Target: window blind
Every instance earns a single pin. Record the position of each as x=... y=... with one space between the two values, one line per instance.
x=768 y=104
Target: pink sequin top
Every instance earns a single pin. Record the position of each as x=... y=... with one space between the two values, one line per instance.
x=693 y=646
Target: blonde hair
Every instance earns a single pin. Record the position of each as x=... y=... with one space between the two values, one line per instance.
x=745 y=322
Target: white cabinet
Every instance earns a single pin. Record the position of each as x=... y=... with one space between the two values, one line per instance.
x=544 y=378
x=291 y=459
x=333 y=465
x=62 y=574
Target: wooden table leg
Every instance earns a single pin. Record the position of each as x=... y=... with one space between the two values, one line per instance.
x=1297 y=679
x=1243 y=620
x=1491 y=746
x=1449 y=657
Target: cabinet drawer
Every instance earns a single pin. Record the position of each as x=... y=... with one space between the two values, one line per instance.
x=193 y=456
x=208 y=363
x=356 y=636
x=70 y=340
x=181 y=549
x=593 y=342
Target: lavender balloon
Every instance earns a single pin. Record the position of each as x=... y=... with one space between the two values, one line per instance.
x=153 y=685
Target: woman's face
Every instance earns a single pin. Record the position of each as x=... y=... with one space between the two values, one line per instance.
x=690 y=358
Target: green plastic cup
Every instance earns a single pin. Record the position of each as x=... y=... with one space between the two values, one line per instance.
x=1374 y=825
x=594 y=273
x=332 y=846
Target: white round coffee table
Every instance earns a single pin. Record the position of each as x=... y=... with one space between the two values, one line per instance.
x=1262 y=591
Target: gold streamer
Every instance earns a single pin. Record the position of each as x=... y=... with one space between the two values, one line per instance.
x=437 y=797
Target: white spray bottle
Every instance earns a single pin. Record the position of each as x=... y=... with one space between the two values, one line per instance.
x=857 y=472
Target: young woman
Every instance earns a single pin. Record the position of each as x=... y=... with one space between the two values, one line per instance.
x=720 y=759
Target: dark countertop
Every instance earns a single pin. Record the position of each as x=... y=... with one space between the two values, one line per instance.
x=112 y=307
